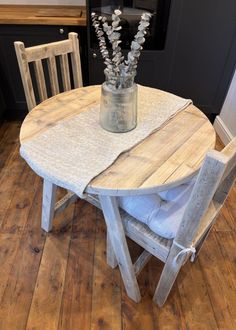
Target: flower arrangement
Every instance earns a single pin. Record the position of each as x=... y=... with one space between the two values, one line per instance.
x=118 y=69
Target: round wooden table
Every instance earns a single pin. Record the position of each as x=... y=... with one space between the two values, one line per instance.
x=166 y=158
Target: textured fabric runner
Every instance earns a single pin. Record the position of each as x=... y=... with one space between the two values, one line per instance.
x=71 y=153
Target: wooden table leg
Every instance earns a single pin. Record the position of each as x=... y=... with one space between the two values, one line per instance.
x=119 y=244
x=111 y=257
x=48 y=204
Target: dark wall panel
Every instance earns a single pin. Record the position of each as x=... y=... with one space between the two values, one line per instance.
x=199 y=57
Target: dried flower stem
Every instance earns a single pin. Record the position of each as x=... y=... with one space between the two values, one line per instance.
x=136 y=45
x=116 y=67
x=100 y=35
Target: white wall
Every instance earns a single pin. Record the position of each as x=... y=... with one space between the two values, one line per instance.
x=43 y=2
x=225 y=123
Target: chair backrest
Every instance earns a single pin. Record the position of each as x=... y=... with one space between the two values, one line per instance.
x=49 y=52
x=213 y=184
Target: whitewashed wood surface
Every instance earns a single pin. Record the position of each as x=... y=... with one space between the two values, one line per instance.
x=166 y=158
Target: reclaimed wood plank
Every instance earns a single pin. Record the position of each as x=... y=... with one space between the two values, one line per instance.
x=44 y=311
x=25 y=74
x=221 y=292
x=65 y=72
x=138 y=316
x=75 y=60
x=40 y=80
x=21 y=278
x=171 y=315
x=41 y=14
x=76 y=303
x=48 y=203
x=106 y=285
x=135 y=169
x=15 y=211
x=9 y=245
x=10 y=176
x=192 y=288
x=9 y=134
x=119 y=245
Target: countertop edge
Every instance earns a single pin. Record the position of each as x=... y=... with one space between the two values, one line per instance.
x=27 y=15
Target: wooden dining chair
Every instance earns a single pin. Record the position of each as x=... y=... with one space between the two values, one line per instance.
x=214 y=181
x=48 y=53
x=44 y=63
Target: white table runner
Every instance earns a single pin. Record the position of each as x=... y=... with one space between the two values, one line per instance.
x=80 y=148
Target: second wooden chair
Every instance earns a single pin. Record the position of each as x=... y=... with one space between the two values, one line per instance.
x=37 y=55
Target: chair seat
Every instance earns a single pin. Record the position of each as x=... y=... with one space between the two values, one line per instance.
x=163 y=212
x=145 y=237
x=157 y=245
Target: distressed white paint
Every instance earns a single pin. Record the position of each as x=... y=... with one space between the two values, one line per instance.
x=44 y=2
x=225 y=123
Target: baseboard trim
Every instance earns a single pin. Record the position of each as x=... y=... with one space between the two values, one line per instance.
x=222 y=130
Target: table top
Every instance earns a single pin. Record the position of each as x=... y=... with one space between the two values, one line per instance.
x=170 y=156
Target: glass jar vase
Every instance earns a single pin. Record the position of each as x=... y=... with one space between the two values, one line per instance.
x=118 y=108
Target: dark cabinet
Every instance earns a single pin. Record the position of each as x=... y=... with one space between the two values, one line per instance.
x=198 y=58
x=31 y=35
x=2 y=104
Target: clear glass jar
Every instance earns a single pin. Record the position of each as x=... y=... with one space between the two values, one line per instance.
x=118 y=109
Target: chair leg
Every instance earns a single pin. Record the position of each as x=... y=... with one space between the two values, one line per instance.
x=48 y=205
x=200 y=244
x=168 y=277
x=111 y=258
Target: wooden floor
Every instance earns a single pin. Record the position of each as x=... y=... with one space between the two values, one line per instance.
x=61 y=281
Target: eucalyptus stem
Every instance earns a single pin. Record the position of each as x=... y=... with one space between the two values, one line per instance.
x=100 y=35
x=116 y=65
x=136 y=45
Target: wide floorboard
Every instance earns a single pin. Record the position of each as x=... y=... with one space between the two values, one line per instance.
x=61 y=280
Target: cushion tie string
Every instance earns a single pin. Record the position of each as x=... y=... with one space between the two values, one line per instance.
x=186 y=252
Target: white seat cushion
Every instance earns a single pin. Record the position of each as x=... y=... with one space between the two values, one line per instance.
x=162 y=212
x=172 y=194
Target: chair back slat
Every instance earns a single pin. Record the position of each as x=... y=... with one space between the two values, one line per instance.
x=75 y=60
x=44 y=51
x=25 y=74
x=40 y=80
x=52 y=70
x=65 y=72
x=49 y=52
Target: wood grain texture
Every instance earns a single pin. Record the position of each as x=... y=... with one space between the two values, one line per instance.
x=106 y=286
x=40 y=80
x=65 y=72
x=48 y=52
x=45 y=15
x=52 y=70
x=50 y=280
x=119 y=245
x=203 y=295
x=75 y=60
x=199 y=215
x=166 y=158
x=48 y=204
x=25 y=74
